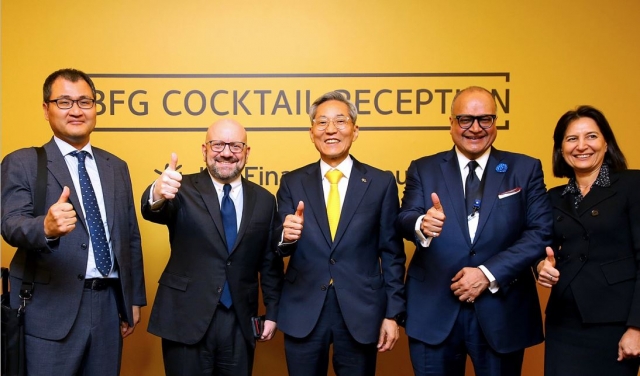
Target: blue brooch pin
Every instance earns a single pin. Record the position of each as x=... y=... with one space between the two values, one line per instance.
x=501 y=167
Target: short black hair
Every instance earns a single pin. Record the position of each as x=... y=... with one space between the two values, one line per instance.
x=68 y=74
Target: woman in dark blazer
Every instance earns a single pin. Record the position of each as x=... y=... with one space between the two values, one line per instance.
x=593 y=314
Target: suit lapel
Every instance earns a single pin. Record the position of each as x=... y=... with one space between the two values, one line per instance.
x=493 y=181
x=596 y=195
x=248 y=205
x=205 y=186
x=453 y=179
x=107 y=181
x=58 y=168
x=313 y=190
x=358 y=184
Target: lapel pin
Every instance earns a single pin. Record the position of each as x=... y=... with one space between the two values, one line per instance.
x=364 y=180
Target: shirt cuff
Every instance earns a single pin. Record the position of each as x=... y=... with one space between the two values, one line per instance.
x=281 y=243
x=493 y=284
x=155 y=205
x=420 y=238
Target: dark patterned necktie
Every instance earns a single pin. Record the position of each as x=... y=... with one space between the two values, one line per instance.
x=229 y=222
x=101 y=252
x=472 y=189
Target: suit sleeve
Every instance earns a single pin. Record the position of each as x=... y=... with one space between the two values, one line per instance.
x=272 y=269
x=529 y=246
x=139 y=294
x=392 y=256
x=413 y=204
x=634 y=223
x=286 y=206
x=19 y=227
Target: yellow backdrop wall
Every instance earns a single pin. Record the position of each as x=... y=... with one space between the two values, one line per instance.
x=166 y=70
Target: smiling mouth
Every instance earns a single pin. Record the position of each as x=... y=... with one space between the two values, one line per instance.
x=332 y=141
x=582 y=156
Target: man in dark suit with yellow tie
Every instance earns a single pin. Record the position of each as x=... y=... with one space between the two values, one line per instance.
x=344 y=282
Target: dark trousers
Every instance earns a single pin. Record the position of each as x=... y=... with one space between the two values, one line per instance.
x=222 y=352
x=93 y=346
x=309 y=356
x=449 y=358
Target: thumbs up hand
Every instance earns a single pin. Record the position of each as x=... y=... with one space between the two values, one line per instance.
x=433 y=220
x=168 y=184
x=548 y=275
x=61 y=217
x=293 y=224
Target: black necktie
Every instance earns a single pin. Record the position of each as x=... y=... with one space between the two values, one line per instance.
x=101 y=252
x=229 y=222
x=472 y=189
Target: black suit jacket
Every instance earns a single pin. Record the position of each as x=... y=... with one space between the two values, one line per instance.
x=61 y=265
x=366 y=259
x=191 y=284
x=597 y=249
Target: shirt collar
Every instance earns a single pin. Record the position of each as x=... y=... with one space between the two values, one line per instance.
x=463 y=161
x=235 y=184
x=344 y=167
x=65 y=148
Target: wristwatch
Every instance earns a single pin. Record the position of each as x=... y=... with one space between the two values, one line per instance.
x=400 y=319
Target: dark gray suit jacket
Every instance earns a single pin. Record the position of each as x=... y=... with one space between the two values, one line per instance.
x=191 y=284
x=61 y=265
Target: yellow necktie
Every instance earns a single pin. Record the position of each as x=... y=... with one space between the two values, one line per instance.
x=333 y=203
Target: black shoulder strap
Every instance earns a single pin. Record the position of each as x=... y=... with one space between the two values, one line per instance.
x=26 y=290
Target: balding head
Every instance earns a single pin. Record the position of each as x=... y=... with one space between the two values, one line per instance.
x=225 y=150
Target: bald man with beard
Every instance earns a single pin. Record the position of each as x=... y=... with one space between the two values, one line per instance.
x=208 y=292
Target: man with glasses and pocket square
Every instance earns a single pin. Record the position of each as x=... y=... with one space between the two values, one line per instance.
x=89 y=278
x=479 y=217
x=223 y=233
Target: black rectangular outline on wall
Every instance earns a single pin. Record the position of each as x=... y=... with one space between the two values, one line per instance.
x=506 y=75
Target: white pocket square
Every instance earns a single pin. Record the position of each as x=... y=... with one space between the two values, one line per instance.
x=509 y=193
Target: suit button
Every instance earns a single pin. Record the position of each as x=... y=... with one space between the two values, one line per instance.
x=323 y=287
x=228 y=262
x=583 y=258
x=559 y=218
x=473 y=253
x=594 y=213
x=83 y=246
x=81 y=276
x=332 y=262
x=219 y=289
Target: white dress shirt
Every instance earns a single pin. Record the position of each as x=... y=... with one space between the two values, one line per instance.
x=92 y=170
x=463 y=162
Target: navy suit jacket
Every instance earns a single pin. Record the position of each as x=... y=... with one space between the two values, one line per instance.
x=61 y=265
x=512 y=234
x=597 y=249
x=191 y=284
x=366 y=259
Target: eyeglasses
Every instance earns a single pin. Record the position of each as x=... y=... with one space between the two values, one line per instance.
x=218 y=146
x=484 y=121
x=65 y=103
x=340 y=122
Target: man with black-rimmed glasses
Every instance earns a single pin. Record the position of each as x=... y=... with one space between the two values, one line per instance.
x=89 y=277
x=222 y=234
